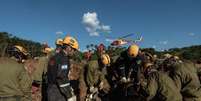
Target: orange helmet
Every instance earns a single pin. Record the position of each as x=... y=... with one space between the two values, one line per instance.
x=105 y=58
x=59 y=42
x=71 y=42
x=133 y=50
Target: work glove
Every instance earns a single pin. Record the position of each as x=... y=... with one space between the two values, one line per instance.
x=93 y=89
x=128 y=80
x=101 y=85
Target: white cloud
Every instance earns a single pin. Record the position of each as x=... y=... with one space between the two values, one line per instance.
x=162 y=50
x=163 y=42
x=93 y=25
x=154 y=46
x=94 y=34
x=59 y=33
x=105 y=28
x=109 y=40
x=191 y=34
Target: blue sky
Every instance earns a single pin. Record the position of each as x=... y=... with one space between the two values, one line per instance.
x=163 y=23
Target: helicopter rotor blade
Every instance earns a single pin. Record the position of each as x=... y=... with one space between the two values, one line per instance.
x=127 y=35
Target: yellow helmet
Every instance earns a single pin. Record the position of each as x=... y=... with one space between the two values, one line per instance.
x=47 y=50
x=21 y=49
x=105 y=58
x=133 y=50
x=59 y=42
x=71 y=42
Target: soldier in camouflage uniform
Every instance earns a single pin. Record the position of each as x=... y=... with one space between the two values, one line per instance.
x=82 y=83
x=155 y=85
x=186 y=79
x=39 y=75
x=158 y=86
x=95 y=75
x=15 y=82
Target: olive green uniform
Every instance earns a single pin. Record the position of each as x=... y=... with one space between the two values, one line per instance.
x=15 y=82
x=40 y=71
x=186 y=79
x=160 y=87
x=82 y=83
x=94 y=76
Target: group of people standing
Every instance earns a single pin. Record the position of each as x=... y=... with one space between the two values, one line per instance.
x=134 y=75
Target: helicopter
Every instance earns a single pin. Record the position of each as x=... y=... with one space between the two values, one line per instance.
x=123 y=40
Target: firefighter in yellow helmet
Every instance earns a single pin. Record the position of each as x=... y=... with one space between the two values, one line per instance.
x=59 y=87
x=15 y=82
x=95 y=75
x=58 y=43
x=128 y=62
x=20 y=53
x=128 y=70
x=39 y=75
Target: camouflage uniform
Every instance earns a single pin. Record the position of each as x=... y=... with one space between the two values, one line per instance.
x=94 y=75
x=160 y=87
x=15 y=82
x=38 y=74
x=111 y=74
x=41 y=69
x=186 y=79
x=76 y=78
x=198 y=66
x=95 y=78
x=82 y=83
